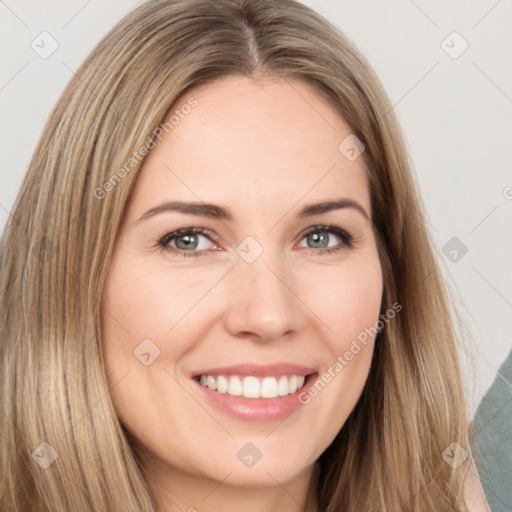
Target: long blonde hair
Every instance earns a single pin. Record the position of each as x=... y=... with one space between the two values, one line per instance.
x=57 y=247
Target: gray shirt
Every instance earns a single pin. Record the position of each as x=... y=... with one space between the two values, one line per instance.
x=492 y=440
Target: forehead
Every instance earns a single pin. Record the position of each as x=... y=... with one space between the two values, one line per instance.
x=249 y=142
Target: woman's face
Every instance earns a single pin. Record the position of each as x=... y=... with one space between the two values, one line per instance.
x=208 y=334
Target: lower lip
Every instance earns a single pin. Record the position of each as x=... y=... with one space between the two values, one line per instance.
x=257 y=409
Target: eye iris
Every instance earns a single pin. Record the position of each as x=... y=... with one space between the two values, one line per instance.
x=186 y=242
x=321 y=239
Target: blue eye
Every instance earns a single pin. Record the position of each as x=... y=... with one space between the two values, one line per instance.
x=196 y=241
x=320 y=238
x=186 y=241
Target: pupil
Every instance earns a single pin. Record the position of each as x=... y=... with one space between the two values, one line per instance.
x=186 y=241
x=319 y=239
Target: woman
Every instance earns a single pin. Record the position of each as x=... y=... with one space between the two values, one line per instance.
x=217 y=286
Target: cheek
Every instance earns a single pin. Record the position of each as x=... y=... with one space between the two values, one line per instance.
x=348 y=305
x=347 y=300
x=349 y=308
x=148 y=308
x=143 y=300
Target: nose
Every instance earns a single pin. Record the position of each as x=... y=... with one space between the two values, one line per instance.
x=262 y=304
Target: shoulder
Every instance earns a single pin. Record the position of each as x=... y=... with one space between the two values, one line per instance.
x=473 y=492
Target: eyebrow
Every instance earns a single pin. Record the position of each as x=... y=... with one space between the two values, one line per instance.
x=214 y=211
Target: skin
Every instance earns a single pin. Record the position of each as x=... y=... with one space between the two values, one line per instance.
x=263 y=149
x=473 y=491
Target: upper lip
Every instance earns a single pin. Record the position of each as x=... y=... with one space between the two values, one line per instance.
x=269 y=370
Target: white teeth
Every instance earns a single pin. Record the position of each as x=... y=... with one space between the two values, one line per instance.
x=235 y=386
x=222 y=384
x=268 y=388
x=283 y=386
x=212 y=383
x=253 y=387
x=293 y=384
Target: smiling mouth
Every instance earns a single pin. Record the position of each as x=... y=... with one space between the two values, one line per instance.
x=253 y=387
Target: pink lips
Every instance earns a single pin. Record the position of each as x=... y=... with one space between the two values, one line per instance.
x=255 y=409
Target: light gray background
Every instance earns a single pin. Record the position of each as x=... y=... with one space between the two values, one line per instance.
x=455 y=113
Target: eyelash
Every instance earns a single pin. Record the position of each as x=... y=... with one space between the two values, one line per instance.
x=347 y=239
